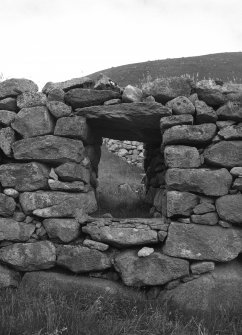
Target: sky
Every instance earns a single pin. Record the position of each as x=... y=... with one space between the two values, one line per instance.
x=56 y=40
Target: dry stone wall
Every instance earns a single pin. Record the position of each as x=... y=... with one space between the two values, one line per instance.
x=187 y=254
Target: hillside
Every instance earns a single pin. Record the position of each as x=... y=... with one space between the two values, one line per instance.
x=223 y=66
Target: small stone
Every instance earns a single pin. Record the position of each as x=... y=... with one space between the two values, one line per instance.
x=53 y=175
x=95 y=245
x=204 y=208
x=180 y=203
x=150 y=99
x=9 y=277
x=206 y=219
x=41 y=232
x=181 y=105
x=184 y=220
x=19 y=216
x=224 y=224
x=6 y=117
x=75 y=186
x=29 y=219
x=7 y=205
x=8 y=104
x=162 y=235
x=231 y=132
x=237 y=185
x=202 y=267
x=58 y=109
x=112 y=102
x=7 y=138
x=11 y=192
x=145 y=251
x=236 y=171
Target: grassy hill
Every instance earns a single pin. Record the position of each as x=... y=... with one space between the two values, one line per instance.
x=223 y=66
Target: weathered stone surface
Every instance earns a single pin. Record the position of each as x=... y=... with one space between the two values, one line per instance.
x=9 y=277
x=7 y=138
x=122 y=233
x=6 y=117
x=58 y=109
x=83 y=82
x=24 y=176
x=74 y=186
x=231 y=132
x=175 y=120
x=57 y=204
x=13 y=87
x=232 y=110
x=73 y=172
x=223 y=124
x=80 y=97
x=205 y=181
x=216 y=95
x=181 y=105
x=49 y=148
x=95 y=245
x=156 y=269
x=132 y=94
x=180 y=203
x=105 y=83
x=12 y=230
x=33 y=121
x=29 y=256
x=31 y=99
x=225 y=153
x=7 y=205
x=202 y=267
x=76 y=127
x=237 y=185
x=11 y=192
x=222 y=287
x=201 y=242
x=204 y=113
x=66 y=230
x=236 y=171
x=204 y=207
x=181 y=156
x=137 y=121
x=229 y=208
x=80 y=259
x=56 y=94
x=207 y=218
x=165 y=89
x=9 y=104
x=193 y=135
x=145 y=252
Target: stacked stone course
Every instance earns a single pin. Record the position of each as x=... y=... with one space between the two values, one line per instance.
x=188 y=253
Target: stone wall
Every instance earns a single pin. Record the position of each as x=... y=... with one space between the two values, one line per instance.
x=188 y=253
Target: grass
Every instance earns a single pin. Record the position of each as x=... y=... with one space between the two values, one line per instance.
x=27 y=313
x=121 y=202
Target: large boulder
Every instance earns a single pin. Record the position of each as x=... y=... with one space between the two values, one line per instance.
x=83 y=82
x=155 y=269
x=204 y=181
x=190 y=134
x=232 y=110
x=11 y=230
x=7 y=205
x=57 y=204
x=229 y=208
x=9 y=277
x=225 y=153
x=24 y=176
x=81 y=259
x=65 y=230
x=203 y=242
x=130 y=121
x=180 y=203
x=49 y=148
x=181 y=156
x=165 y=89
x=29 y=256
x=13 y=87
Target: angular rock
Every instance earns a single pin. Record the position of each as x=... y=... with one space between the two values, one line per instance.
x=13 y=87
x=162 y=235
x=204 y=181
x=24 y=176
x=232 y=110
x=33 y=121
x=231 y=132
x=225 y=154
x=65 y=230
x=180 y=203
x=137 y=121
x=76 y=127
x=11 y=230
x=7 y=205
x=201 y=242
x=49 y=148
x=56 y=94
x=165 y=89
x=202 y=267
x=121 y=234
x=29 y=256
x=106 y=83
x=80 y=259
x=58 y=109
x=83 y=82
x=145 y=252
x=132 y=94
x=181 y=156
x=237 y=185
x=9 y=104
x=156 y=269
x=204 y=113
x=175 y=120
x=73 y=172
x=207 y=218
x=229 y=208
x=31 y=99
x=204 y=207
x=57 y=204
x=80 y=97
x=11 y=192
x=95 y=245
x=236 y=171
x=6 y=117
x=181 y=105
x=74 y=186
x=190 y=135
x=223 y=124
x=7 y=138
x=9 y=277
